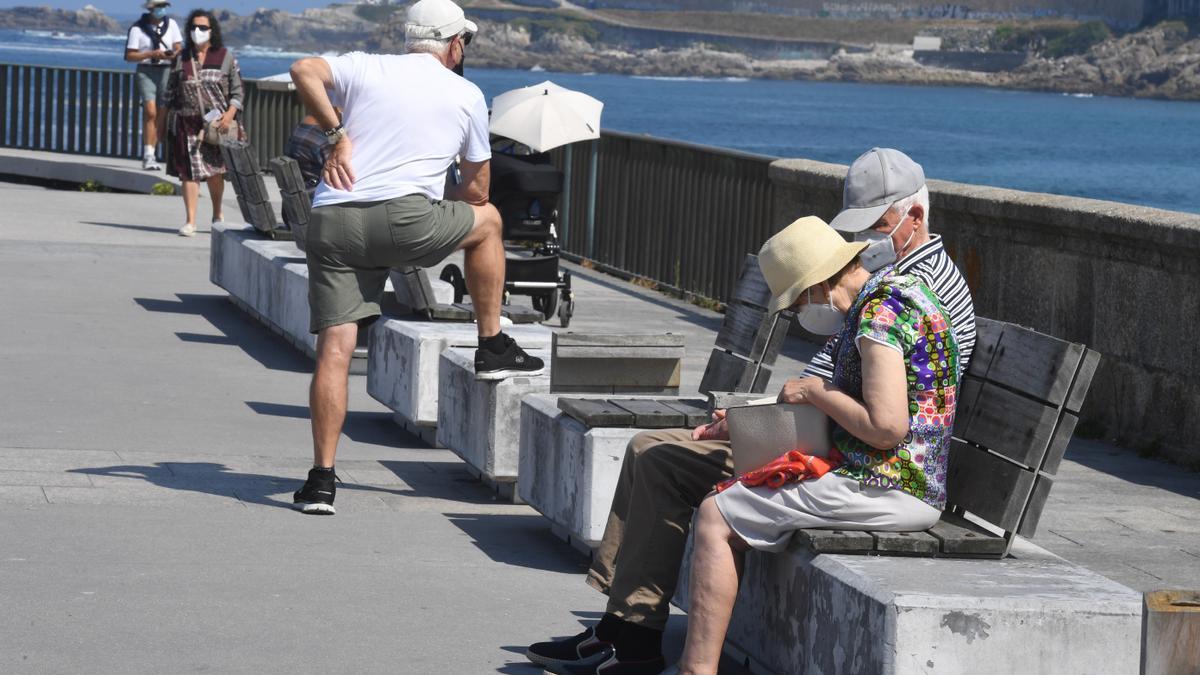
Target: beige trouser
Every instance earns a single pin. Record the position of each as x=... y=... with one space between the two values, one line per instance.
x=664 y=477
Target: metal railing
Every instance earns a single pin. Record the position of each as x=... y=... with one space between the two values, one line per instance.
x=681 y=214
x=90 y=111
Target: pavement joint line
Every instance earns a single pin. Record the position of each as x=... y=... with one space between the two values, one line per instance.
x=1194 y=555
x=1063 y=536
x=1143 y=571
x=44 y=495
x=1117 y=522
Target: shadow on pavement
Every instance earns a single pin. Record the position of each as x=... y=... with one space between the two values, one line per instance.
x=519 y=539
x=218 y=480
x=141 y=228
x=374 y=428
x=237 y=329
x=1127 y=465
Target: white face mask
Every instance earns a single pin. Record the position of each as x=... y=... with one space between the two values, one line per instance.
x=880 y=251
x=200 y=37
x=820 y=319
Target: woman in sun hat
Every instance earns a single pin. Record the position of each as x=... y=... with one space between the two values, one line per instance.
x=891 y=409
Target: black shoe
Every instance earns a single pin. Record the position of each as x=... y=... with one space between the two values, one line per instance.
x=512 y=361
x=555 y=654
x=316 y=496
x=611 y=665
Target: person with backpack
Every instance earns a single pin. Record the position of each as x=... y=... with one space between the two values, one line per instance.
x=152 y=43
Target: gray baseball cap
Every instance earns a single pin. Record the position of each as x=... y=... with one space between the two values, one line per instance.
x=877 y=179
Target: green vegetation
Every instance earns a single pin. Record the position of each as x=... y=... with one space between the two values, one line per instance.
x=163 y=188
x=1052 y=40
x=93 y=186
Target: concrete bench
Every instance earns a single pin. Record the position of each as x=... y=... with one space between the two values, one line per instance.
x=572 y=446
x=480 y=421
x=405 y=359
x=1032 y=612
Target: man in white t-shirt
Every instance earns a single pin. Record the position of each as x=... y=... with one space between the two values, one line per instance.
x=380 y=205
x=153 y=41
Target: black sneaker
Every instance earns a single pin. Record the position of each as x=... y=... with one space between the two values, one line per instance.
x=316 y=497
x=611 y=665
x=512 y=361
x=582 y=648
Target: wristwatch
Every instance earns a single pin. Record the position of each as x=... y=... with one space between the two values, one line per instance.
x=335 y=134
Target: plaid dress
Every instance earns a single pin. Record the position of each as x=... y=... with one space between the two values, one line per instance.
x=188 y=98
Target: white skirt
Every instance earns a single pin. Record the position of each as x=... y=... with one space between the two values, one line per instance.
x=765 y=518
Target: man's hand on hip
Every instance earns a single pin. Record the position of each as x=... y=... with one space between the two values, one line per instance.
x=338 y=173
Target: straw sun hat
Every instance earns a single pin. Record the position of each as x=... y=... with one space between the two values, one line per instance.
x=802 y=255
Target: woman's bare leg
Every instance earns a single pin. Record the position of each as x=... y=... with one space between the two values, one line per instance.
x=716 y=571
x=191 y=195
x=216 y=190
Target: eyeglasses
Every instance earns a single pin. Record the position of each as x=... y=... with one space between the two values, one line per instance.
x=202 y=28
x=466 y=38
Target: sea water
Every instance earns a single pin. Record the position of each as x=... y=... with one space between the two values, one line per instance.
x=1127 y=150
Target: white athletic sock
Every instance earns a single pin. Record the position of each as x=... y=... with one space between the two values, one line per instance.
x=148 y=151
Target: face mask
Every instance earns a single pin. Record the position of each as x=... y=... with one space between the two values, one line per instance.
x=820 y=319
x=158 y=12
x=200 y=37
x=880 y=251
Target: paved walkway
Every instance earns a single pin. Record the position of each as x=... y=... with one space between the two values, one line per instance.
x=151 y=436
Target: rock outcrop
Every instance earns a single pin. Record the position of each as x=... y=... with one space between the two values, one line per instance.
x=87 y=20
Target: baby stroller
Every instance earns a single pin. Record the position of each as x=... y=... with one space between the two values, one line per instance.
x=526 y=189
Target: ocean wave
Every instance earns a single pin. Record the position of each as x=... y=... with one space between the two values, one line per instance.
x=73 y=50
x=72 y=37
x=689 y=78
x=270 y=52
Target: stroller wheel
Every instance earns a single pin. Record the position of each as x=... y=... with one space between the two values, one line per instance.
x=454 y=276
x=546 y=304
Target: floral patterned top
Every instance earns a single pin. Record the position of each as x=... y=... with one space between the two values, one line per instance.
x=901 y=312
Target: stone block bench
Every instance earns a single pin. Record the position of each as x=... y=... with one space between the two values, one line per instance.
x=480 y=420
x=405 y=360
x=268 y=279
x=572 y=446
x=1032 y=612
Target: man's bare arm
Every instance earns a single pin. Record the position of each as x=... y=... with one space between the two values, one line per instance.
x=313 y=78
x=476 y=182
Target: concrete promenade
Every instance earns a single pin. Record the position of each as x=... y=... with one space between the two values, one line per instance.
x=151 y=436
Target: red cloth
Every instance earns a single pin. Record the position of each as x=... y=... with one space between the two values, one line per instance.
x=789 y=467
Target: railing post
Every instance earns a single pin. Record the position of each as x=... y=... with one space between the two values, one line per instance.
x=564 y=209
x=591 y=212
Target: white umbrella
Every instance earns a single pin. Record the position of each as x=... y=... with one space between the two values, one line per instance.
x=546 y=116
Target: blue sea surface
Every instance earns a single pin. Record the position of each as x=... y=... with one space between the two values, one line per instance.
x=1127 y=150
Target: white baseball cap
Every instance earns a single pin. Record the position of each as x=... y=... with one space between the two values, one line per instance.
x=437 y=20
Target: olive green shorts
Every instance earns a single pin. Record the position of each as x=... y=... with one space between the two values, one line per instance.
x=351 y=247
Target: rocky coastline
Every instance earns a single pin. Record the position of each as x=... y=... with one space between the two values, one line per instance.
x=1160 y=62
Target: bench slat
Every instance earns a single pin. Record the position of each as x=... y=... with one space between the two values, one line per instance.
x=987 y=338
x=444 y=312
x=911 y=543
x=1058 y=444
x=695 y=411
x=287 y=174
x=742 y=330
x=1036 y=365
x=960 y=537
x=1083 y=380
x=594 y=412
x=751 y=287
x=727 y=372
x=1007 y=423
x=989 y=486
x=651 y=414
x=1037 y=502
x=412 y=284
x=573 y=339
x=835 y=541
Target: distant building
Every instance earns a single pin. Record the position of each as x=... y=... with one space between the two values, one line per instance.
x=926 y=43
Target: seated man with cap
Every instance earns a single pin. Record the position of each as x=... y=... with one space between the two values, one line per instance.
x=666 y=473
x=380 y=204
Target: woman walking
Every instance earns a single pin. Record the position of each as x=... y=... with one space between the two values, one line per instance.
x=204 y=96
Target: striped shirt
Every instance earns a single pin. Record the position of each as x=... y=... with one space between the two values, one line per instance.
x=930 y=264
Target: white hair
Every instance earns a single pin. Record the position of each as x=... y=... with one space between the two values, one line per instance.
x=901 y=207
x=427 y=46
